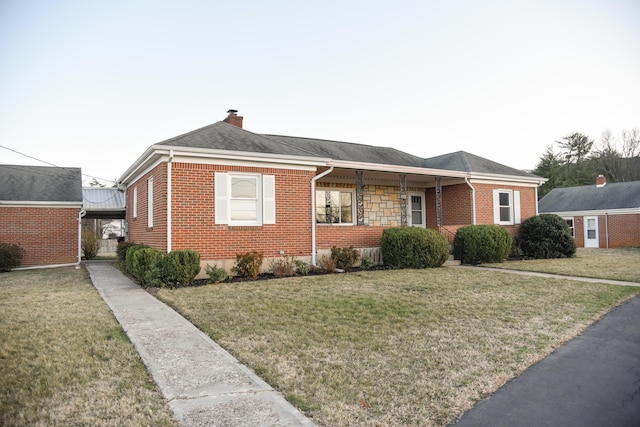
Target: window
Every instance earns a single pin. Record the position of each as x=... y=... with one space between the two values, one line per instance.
x=570 y=224
x=416 y=210
x=135 y=202
x=150 y=203
x=506 y=207
x=334 y=207
x=244 y=199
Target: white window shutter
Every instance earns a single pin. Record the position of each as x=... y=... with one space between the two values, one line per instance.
x=496 y=206
x=268 y=199
x=516 y=207
x=221 y=198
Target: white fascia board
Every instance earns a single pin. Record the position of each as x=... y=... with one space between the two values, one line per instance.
x=397 y=169
x=31 y=204
x=159 y=153
x=520 y=181
x=626 y=211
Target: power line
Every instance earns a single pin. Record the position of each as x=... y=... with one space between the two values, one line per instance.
x=51 y=164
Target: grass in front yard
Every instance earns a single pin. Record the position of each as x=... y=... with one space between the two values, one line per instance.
x=409 y=347
x=64 y=360
x=615 y=264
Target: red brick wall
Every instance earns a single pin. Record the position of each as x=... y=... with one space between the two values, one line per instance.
x=623 y=230
x=456 y=206
x=138 y=232
x=342 y=236
x=49 y=236
x=193 y=207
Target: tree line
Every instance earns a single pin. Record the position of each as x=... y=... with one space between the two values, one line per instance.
x=578 y=160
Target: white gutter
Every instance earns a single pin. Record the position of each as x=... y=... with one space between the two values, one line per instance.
x=396 y=169
x=169 y=201
x=313 y=212
x=473 y=200
x=80 y=215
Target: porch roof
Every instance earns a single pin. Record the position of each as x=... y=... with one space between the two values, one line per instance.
x=105 y=203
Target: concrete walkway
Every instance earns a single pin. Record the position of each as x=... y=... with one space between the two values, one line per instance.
x=593 y=380
x=203 y=384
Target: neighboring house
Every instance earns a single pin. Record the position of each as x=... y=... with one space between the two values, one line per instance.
x=221 y=190
x=600 y=216
x=40 y=209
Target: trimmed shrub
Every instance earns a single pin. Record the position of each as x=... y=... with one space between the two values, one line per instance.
x=344 y=257
x=546 y=236
x=248 y=264
x=128 y=258
x=476 y=244
x=413 y=247
x=146 y=266
x=283 y=267
x=90 y=244
x=180 y=268
x=121 y=251
x=216 y=274
x=10 y=256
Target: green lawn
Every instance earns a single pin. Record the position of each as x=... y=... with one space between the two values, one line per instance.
x=64 y=360
x=616 y=264
x=410 y=347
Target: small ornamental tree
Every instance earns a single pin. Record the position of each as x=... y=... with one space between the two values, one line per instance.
x=476 y=244
x=413 y=247
x=546 y=236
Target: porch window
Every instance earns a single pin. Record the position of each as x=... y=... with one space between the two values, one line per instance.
x=506 y=207
x=416 y=210
x=244 y=199
x=570 y=224
x=334 y=207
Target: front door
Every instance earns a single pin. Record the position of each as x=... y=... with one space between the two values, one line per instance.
x=591 y=232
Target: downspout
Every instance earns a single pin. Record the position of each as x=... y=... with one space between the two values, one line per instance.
x=81 y=214
x=473 y=199
x=169 y=201
x=606 y=227
x=313 y=212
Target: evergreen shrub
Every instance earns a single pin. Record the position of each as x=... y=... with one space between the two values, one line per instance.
x=216 y=274
x=146 y=266
x=10 y=256
x=546 y=236
x=413 y=247
x=180 y=268
x=476 y=244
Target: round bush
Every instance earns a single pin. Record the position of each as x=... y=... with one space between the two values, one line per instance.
x=413 y=247
x=476 y=244
x=546 y=236
x=180 y=268
x=146 y=266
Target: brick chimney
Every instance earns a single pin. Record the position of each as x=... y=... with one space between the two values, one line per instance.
x=601 y=181
x=234 y=119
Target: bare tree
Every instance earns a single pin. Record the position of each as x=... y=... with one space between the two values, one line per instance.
x=619 y=156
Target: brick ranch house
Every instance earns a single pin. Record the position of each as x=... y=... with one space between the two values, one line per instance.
x=600 y=216
x=222 y=190
x=40 y=211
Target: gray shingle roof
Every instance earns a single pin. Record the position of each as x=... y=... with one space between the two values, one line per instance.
x=620 y=195
x=223 y=136
x=40 y=184
x=347 y=151
x=466 y=162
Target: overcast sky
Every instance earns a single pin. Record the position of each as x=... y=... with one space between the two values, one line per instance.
x=93 y=84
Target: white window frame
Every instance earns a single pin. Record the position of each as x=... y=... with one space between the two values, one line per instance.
x=265 y=199
x=150 y=203
x=514 y=207
x=135 y=202
x=422 y=209
x=572 y=227
x=352 y=192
